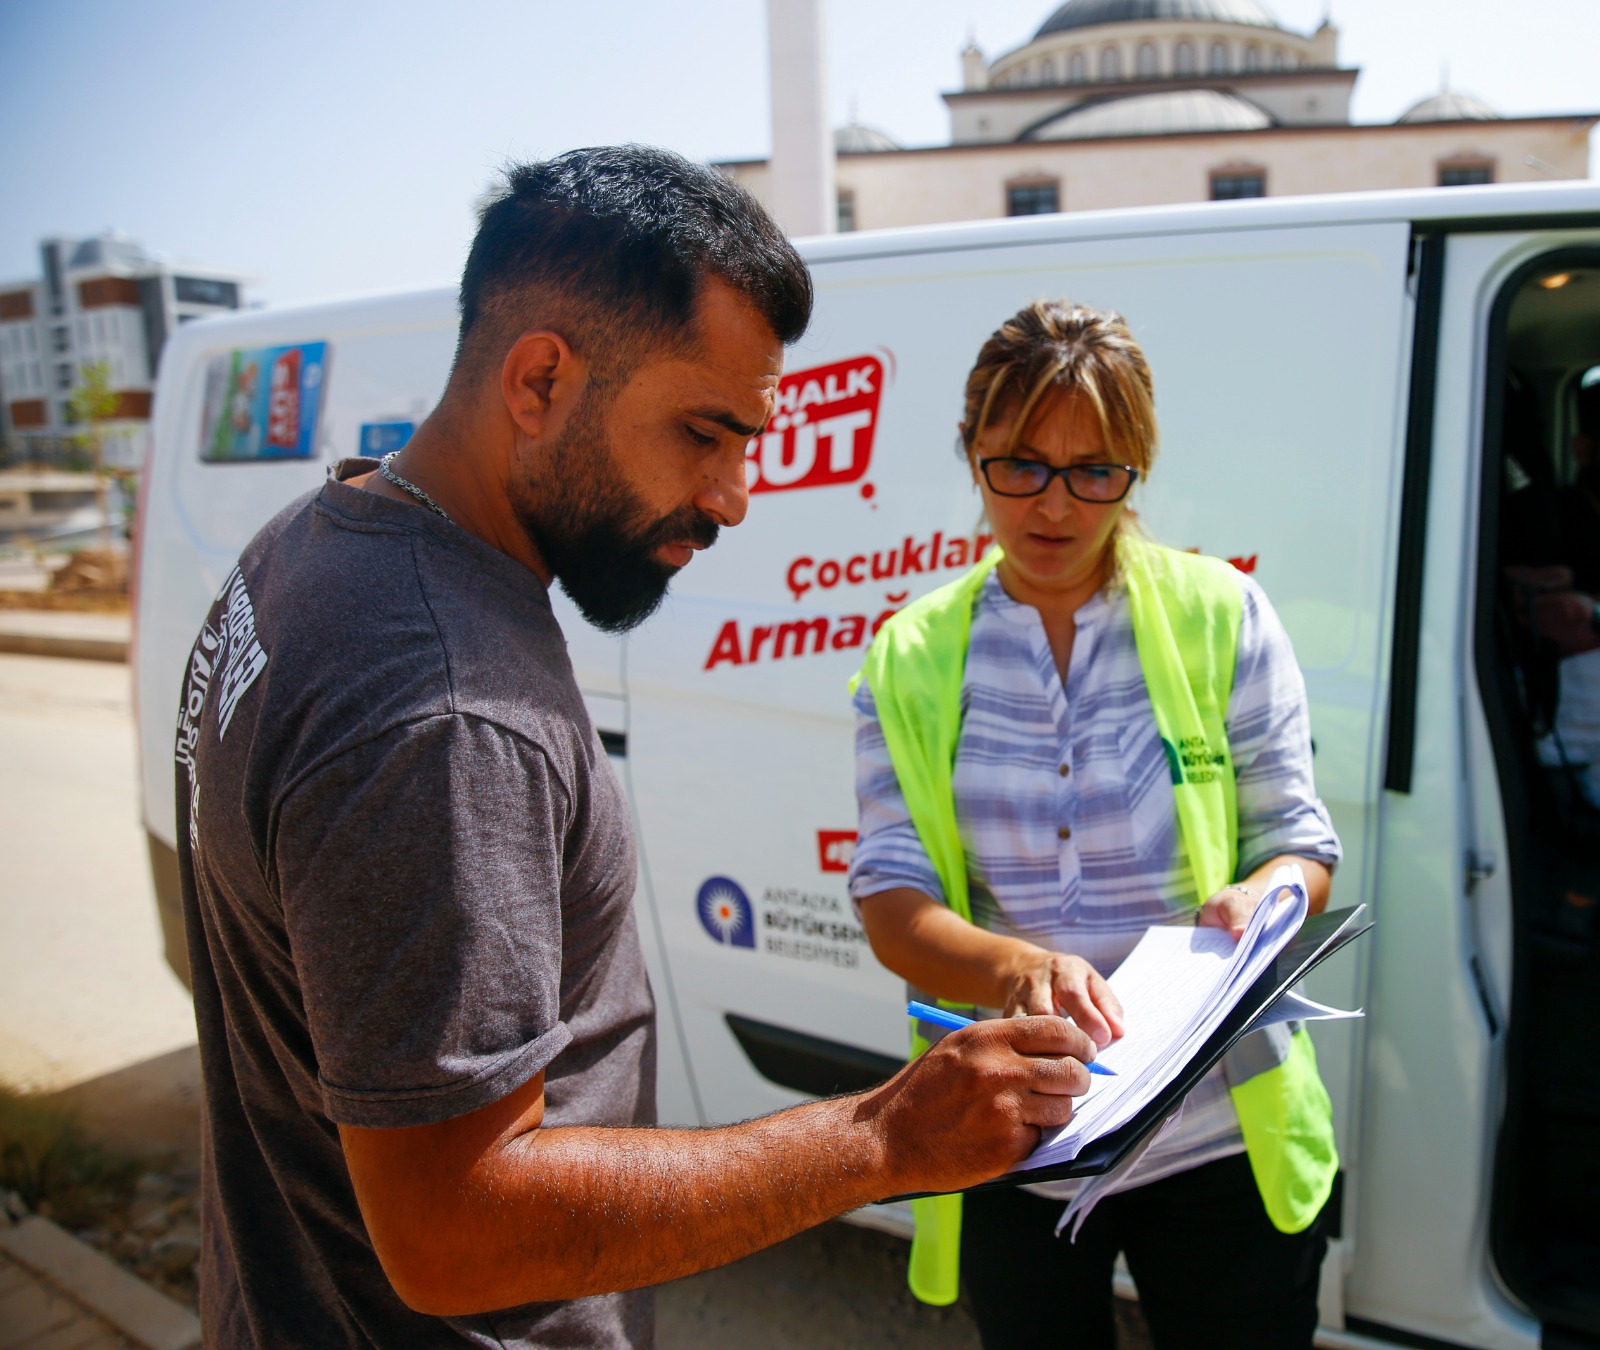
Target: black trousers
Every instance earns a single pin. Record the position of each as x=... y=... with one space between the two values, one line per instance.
x=1213 y=1273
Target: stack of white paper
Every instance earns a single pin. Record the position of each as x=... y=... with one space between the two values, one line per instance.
x=1176 y=987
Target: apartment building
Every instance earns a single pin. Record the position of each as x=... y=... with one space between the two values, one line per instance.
x=102 y=298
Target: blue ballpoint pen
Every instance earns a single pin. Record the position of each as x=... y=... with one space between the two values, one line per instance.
x=926 y=1012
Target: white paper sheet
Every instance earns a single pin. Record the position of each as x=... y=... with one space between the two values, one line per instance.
x=1176 y=987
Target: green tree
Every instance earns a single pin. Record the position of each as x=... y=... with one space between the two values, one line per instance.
x=91 y=404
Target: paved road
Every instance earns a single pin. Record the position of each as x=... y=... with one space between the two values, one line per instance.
x=87 y=1004
x=83 y=989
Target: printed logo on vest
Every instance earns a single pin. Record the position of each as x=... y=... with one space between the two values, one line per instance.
x=725 y=912
x=1192 y=760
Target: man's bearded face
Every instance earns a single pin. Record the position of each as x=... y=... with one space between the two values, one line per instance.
x=594 y=531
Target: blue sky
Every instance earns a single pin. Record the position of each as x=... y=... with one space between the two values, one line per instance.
x=337 y=147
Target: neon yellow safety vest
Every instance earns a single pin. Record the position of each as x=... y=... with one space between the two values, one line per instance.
x=1185 y=610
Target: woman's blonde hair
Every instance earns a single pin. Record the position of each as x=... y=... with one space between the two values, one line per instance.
x=1054 y=346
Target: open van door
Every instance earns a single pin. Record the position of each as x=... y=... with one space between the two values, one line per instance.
x=1481 y=1141
x=1536 y=647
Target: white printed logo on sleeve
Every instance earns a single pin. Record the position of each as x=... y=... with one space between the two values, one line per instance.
x=229 y=656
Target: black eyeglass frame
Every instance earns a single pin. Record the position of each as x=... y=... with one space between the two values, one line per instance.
x=1065 y=473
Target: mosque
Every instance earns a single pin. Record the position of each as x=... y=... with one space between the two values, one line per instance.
x=1149 y=102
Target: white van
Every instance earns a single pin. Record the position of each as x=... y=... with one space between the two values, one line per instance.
x=1369 y=402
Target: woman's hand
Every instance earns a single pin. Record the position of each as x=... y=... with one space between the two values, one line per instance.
x=1231 y=908
x=937 y=950
x=1047 y=982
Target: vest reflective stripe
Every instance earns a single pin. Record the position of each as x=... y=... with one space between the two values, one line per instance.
x=919 y=657
x=1185 y=611
x=934 y=1271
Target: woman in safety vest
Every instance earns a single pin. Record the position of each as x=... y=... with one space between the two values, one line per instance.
x=1086 y=735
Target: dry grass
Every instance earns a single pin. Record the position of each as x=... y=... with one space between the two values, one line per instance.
x=59 y=1173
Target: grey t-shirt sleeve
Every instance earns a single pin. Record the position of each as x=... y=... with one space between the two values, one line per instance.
x=429 y=957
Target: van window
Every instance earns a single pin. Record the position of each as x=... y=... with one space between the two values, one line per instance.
x=1538 y=660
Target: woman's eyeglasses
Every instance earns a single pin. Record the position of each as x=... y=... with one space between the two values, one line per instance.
x=1099 y=483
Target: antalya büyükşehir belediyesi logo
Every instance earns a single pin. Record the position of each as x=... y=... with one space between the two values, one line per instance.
x=725 y=912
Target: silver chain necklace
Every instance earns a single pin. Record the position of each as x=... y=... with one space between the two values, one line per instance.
x=406 y=485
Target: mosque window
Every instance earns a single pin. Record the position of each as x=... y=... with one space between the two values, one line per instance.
x=847 y=210
x=1048 y=70
x=1077 y=68
x=1236 y=181
x=1465 y=172
x=1111 y=64
x=1183 y=58
x=1252 y=57
x=1034 y=197
x=1147 y=60
x=1219 y=58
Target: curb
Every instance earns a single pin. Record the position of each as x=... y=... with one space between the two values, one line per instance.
x=91 y=637
x=135 y=1309
x=81 y=648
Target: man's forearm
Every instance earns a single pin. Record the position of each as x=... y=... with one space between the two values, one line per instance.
x=490 y=1209
x=565 y=1213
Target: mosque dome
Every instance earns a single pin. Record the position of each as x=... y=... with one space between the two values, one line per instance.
x=1163 y=114
x=1092 y=13
x=856 y=139
x=1450 y=106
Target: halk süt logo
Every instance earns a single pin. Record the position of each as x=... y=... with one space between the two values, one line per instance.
x=725 y=912
x=822 y=429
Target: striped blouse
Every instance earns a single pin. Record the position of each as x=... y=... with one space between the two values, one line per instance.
x=1065 y=804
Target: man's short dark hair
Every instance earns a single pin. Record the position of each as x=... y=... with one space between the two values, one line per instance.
x=611 y=247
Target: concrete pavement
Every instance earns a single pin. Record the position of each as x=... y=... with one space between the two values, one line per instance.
x=35 y=1315
x=89 y=1014
x=83 y=989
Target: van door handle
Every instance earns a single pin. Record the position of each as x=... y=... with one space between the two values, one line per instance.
x=1481 y=865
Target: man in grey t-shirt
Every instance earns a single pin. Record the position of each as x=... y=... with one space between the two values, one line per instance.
x=426 y=1031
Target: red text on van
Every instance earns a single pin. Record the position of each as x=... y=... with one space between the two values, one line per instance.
x=283 y=401
x=822 y=428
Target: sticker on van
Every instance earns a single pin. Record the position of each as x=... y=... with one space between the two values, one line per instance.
x=822 y=429
x=725 y=912
x=378 y=439
x=835 y=848
x=262 y=403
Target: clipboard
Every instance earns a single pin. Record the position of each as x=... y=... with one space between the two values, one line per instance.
x=1320 y=936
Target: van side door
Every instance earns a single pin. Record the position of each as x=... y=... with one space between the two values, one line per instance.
x=1481 y=1139
x=1279 y=359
